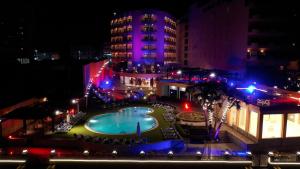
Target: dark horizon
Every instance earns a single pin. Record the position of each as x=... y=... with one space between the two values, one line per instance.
x=59 y=26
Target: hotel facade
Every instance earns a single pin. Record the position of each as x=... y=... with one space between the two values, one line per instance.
x=143 y=39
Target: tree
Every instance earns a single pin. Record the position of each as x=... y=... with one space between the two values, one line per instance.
x=207 y=95
x=228 y=103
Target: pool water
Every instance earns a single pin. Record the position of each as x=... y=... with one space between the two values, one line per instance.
x=122 y=122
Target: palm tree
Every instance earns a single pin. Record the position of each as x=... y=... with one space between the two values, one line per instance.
x=207 y=95
x=228 y=103
x=232 y=97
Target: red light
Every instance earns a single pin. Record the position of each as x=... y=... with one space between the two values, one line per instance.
x=72 y=111
x=186 y=106
x=10 y=137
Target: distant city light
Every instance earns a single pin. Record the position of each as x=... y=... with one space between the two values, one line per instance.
x=179 y=72
x=107 y=82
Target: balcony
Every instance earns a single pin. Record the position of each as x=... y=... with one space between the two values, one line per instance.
x=170 y=55
x=148 y=18
x=121 y=21
x=170 y=40
x=148 y=29
x=149 y=38
x=170 y=22
x=149 y=47
x=170 y=50
x=170 y=31
x=149 y=55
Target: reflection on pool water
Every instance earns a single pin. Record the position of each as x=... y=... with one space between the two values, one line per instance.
x=122 y=122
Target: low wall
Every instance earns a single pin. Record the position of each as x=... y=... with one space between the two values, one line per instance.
x=174 y=145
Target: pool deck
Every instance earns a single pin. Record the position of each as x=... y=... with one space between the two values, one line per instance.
x=153 y=135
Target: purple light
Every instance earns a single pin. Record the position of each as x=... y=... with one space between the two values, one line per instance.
x=107 y=82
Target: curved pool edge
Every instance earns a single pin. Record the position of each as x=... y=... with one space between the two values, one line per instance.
x=97 y=132
x=152 y=110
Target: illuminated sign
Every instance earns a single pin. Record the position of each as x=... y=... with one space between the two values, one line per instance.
x=263 y=102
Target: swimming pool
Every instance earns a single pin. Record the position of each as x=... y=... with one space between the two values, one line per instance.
x=122 y=122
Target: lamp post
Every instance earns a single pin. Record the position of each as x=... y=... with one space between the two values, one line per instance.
x=76 y=101
x=86 y=101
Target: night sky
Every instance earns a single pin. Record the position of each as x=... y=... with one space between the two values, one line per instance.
x=58 y=24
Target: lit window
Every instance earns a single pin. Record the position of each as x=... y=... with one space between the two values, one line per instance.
x=293 y=125
x=272 y=126
x=242 y=118
x=232 y=116
x=253 y=123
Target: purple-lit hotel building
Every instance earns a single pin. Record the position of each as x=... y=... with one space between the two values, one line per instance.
x=145 y=38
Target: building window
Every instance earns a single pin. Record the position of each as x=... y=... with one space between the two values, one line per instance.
x=232 y=116
x=242 y=118
x=253 y=123
x=186 y=34
x=185 y=55
x=186 y=41
x=272 y=126
x=185 y=62
x=186 y=26
x=293 y=125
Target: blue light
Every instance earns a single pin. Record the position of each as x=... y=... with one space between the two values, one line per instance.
x=106 y=84
x=251 y=89
x=240 y=153
x=231 y=84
